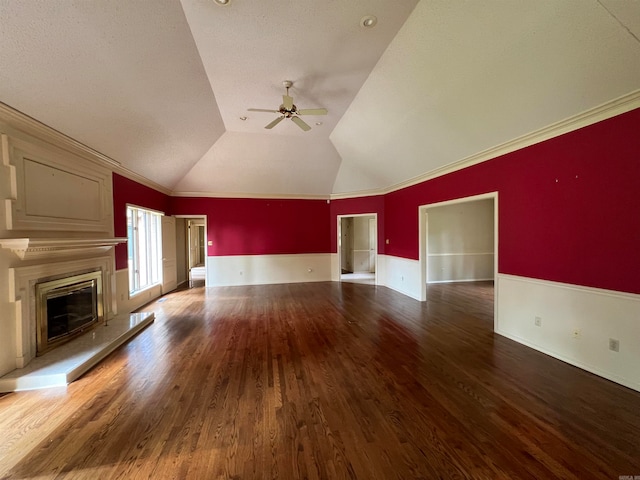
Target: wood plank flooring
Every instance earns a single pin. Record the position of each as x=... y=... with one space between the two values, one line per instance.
x=324 y=381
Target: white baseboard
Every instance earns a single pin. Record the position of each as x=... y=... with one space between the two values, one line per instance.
x=596 y=314
x=268 y=269
x=462 y=280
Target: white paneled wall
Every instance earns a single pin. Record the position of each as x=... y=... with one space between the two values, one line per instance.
x=576 y=324
x=267 y=269
x=400 y=274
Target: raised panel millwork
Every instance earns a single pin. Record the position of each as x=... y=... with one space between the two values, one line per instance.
x=55 y=190
x=52 y=192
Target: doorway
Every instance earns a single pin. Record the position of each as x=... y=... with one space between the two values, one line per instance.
x=191 y=234
x=357 y=248
x=196 y=241
x=459 y=245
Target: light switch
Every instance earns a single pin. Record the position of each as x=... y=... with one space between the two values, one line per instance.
x=210 y=243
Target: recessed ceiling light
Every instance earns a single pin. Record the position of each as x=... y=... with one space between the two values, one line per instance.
x=243 y=118
x=368 y=21
x=222 y=2
x=318 y=123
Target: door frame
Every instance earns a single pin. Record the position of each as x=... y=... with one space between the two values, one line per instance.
x=422 y=237
x=206 y=243
x=339 y=244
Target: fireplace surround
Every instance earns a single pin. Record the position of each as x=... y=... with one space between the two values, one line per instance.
x=67 y=307
x=22 y=285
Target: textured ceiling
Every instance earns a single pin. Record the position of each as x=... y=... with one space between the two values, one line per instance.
x=461 y=77
x=160 y=85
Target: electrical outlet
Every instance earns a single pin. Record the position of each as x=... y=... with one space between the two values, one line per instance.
x=537 y=321
x=614 y=345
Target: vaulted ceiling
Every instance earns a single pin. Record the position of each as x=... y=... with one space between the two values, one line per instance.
x=160 y=86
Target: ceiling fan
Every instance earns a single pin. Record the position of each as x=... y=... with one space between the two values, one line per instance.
x=289 y=110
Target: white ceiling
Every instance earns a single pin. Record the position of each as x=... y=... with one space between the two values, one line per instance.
x=160 y=85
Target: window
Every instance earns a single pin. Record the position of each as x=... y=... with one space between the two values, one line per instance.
x=145 y=248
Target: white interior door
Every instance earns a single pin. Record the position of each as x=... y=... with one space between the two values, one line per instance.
x=169 y=256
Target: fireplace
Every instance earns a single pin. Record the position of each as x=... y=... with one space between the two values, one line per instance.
x=67 y=307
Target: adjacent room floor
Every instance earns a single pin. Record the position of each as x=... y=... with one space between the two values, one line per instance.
x=324 y=380
x=365 y=278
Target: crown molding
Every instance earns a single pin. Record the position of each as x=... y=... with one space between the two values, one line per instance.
x=266 y=196
x=136 y=177
x=610 y=109
x=25 y=124
x=374 y=192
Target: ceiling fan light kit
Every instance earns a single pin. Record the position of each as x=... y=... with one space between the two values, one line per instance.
x=289 y=110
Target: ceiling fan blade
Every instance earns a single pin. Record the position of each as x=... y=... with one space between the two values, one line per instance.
x=274 y=123
x=261 y=110
x=287 y=101
x=298 y=121
x=313 y=111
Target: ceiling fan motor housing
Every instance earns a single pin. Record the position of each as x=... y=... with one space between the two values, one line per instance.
x=288 y=113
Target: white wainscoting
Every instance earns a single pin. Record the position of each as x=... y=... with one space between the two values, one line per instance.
x=459 y=267
x=595 y=314
x=335 y=267
x=268 y=269
x=400 y=274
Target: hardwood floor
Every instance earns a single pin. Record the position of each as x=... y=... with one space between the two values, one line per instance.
x=324 y=380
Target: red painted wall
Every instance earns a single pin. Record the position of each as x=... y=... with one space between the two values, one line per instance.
x=569 y=207
x=355 y=206
x=568 y=210
x=126 y=191
x=242 y=226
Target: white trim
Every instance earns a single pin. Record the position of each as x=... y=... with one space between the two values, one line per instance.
x=422 y=242
x=136 y=177
x=458 y=254
x=571 y=286
x=231 y=270
x=146 y=209
x=30 y=126
x=266 y=196
x=339 y=240
x=589 y=368
x=360 y=193
x=596 y=314
x=401 y=274
x=46 y=248
x=607 y=110
x=206 y=244
x=462 y=280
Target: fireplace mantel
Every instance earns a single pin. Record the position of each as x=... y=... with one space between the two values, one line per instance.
x=50 y=248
